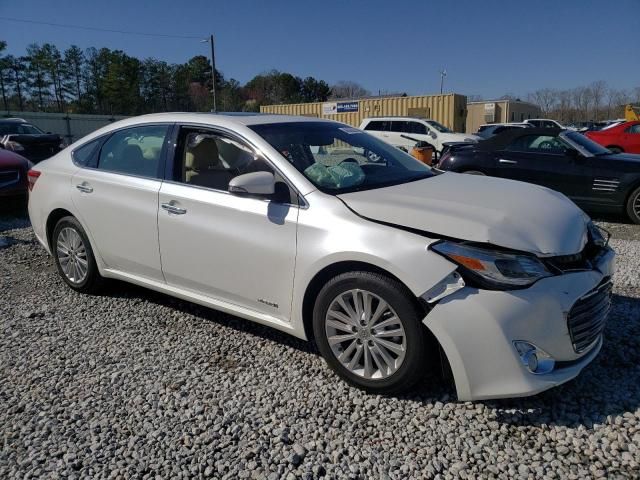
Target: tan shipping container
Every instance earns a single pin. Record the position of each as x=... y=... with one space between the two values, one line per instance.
x=448 y=109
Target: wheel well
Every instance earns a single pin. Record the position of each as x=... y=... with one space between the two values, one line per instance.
x=53 y=219
x=633 y=188
x=326 y=274
x=615 y=146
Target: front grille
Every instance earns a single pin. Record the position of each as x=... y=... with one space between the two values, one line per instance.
x=9 y=177
x=587 y=317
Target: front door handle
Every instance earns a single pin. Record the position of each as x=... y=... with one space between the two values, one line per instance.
x=171 y=208
x=84 y=188
x=509 y=162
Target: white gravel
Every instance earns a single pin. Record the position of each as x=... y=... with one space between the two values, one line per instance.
x=133 y=384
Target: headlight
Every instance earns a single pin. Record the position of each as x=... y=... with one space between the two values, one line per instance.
x=14 y=146
x=598 y=235
x=493 y=269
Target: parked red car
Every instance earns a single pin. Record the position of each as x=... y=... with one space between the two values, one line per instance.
x=14 y=181
x=624 y=137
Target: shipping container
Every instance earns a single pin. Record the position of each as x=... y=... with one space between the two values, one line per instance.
x=448 y=109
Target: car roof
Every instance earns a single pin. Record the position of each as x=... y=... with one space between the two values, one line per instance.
x=240 y=118
x=391 y=117
x=13 y=120
x=501 y=140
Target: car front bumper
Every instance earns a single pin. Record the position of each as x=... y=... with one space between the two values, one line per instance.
x=477 y=328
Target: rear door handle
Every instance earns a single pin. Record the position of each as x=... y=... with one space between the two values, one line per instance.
x=171 y=208
x=510 y=162
x=84 y=188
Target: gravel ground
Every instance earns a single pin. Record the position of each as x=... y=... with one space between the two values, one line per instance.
x=133 y=384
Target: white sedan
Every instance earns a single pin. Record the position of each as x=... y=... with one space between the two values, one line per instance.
x=323 y=231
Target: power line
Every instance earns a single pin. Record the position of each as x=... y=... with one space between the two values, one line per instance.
x=98 y=29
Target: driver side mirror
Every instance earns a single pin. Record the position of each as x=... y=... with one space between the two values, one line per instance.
x=254 y=183
x=573 y=153
x=433 y=134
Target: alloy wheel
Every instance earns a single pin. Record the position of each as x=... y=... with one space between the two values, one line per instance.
x=72 y=255
x=365 y=334
x=636 y=205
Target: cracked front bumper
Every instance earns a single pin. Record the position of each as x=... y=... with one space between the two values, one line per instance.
x=477 y=328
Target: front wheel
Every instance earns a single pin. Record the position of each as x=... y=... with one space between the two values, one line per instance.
x=74 y=257
x=368 y=330
x=633 y=206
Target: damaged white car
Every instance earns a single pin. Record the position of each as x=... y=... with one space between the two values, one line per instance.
x=323 y=231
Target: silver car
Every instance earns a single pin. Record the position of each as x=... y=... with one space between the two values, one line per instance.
x=320 y=230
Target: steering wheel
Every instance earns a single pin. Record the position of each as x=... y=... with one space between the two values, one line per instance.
x=546 y=145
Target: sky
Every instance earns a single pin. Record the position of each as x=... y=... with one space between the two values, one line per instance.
x=488 y=48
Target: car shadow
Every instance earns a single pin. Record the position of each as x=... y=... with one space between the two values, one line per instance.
x=119 y=289
x=609 y=386
x=13 y=214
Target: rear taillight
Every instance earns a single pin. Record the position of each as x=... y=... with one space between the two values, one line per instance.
x=32 y=176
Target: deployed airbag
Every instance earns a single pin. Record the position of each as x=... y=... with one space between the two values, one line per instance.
x=345 y=175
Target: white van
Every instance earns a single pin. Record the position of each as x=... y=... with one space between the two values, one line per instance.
x=394 y=130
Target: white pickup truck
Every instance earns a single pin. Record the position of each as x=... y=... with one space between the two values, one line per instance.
x=394 y=130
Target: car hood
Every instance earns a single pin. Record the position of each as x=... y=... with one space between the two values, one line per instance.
x=622 y=157
x=505 y=213
x=457 y=137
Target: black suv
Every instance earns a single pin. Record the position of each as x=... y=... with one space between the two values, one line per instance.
x=28 y=140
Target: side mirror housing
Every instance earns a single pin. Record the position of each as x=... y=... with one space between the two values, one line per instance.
x=433 y=134
x=254 y=183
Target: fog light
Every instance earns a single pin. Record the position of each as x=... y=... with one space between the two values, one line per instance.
x=535 y=359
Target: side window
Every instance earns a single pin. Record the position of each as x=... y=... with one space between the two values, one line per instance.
x=416 y=127
x=399 y=126
x=537 y=144
x=634 y=128
x=85 y=156
x=206 y=158
x=134 y=151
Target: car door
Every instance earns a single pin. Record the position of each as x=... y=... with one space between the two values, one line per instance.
x=235 y=249
x=540 y=159
x=116 y=197
x=631 y=139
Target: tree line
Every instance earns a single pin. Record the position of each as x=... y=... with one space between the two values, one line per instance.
x=593 y=102
x=104 y=81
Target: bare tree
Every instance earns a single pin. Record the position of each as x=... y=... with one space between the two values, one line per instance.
x=597 y=91
x=545 y=98
x=349 y=90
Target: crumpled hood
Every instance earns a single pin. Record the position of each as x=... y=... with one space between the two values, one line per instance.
x=506 y=213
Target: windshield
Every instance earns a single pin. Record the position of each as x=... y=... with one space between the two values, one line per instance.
x=438 y=126
x=15 y=128
x=337 y=158
x=584 y=144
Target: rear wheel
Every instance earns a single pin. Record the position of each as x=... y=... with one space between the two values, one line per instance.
x=615 y=149
x=633 y=206
x=74 y=257
x=368 y=329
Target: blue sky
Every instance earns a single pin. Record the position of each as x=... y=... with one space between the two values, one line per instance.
x=488 y=47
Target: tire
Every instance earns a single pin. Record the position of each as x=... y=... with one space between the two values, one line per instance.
x=633 y=206
x=615 y=149
x=475 y=172
x=391 y=370
x=69 y=241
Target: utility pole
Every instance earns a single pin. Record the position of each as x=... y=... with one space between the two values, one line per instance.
x=213 y=71
x=443 y=74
